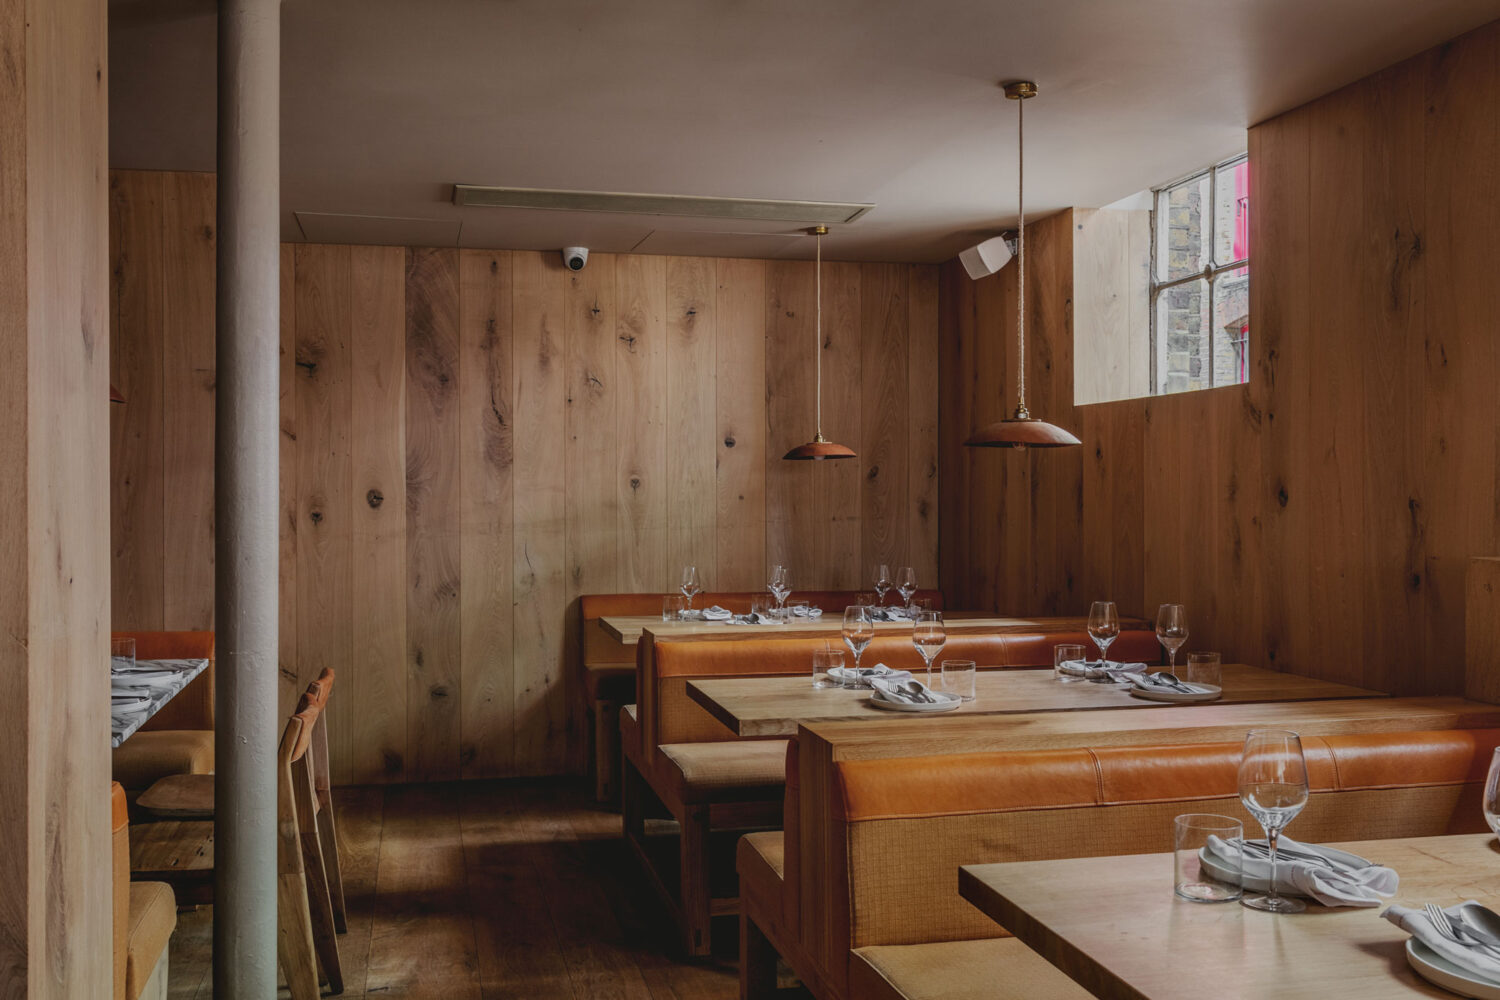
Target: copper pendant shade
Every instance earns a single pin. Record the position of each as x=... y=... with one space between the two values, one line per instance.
x=1021 y=430
x=819 y=448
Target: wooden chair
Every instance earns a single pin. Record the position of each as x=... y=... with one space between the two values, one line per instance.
x=310 y=889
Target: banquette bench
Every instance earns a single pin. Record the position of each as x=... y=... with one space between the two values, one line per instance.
x=608 y=681
x=896 y=830
x=681 y=761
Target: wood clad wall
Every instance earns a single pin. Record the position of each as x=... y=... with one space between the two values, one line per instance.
x=472 y=439
x=55 y=940
x=1320 y=518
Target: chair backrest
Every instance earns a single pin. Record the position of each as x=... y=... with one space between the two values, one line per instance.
x=193 y=706
x=301 y=757
x=666 y=665
x=935 y=814
x=120 y=882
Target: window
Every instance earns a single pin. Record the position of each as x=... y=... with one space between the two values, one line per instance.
x=1200 y=280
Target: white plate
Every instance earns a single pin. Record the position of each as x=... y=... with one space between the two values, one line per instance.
x=945 y=703
x=1216 y=868
x=1163 y=694
x=142 y=678
x=1438 y=971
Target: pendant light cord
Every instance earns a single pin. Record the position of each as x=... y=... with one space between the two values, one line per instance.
x=818 y=348
x=1021 y=253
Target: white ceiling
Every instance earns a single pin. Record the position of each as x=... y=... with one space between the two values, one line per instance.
x=387 y=103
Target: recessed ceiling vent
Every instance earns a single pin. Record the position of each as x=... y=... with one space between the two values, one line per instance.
x=803 y=213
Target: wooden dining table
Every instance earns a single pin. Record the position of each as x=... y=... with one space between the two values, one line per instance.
x=627 y=629
x=1115 y=927
x=774 y=706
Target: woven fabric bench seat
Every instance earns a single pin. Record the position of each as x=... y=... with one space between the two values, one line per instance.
x=709 y=772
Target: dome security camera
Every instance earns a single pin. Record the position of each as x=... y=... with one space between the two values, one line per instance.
x=575 y=257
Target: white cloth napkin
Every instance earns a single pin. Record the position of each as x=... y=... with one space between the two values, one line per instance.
x=1328 y=884
x=867 y=675
x=1098 y=669
x=889 y=689
x=1475 y=958
x=717 y=614
x=806 y=611
x=1154 y=682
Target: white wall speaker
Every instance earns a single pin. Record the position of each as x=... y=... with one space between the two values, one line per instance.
x=988 y=257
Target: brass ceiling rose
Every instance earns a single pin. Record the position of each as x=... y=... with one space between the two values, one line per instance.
x=1021 y=430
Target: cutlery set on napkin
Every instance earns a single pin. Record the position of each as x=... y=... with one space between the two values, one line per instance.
x=1457 y=948
x=890 y=615
x=1102 y=670
x=1332 y=877
x=864 y=677
x=800 y=611
x=713 y=614
x=910 y=693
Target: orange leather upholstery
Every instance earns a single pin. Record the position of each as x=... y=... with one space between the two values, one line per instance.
x=145 y=913
x=941 y=812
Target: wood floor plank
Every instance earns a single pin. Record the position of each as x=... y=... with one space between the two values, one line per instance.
x=422 y=942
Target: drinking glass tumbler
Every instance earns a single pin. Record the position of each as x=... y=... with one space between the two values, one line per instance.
x=961 y=678
x=672 y=606
x=1204 y=668
x=824 y=660
x=1068 y=652
x=1191 y=880
x=122 y=653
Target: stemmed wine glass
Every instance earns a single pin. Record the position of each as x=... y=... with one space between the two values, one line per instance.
x=1104 y=626
x=929 y=634
x=882 y=581
x=1171 y=631
x=690 y=586
x=780 y=585
x=906 y=582
x=1492 y=794
x=1273 y=787
x=858 y=631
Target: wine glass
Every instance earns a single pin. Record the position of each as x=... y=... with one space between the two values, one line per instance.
x=928 y=634
x=1273 y=787
x=882 y=581
x=690 y=585
x=906 y=582
x=1171 y=630
x=780 y=585
x=1104 y=626
x=1492 y=793
x=858 y=631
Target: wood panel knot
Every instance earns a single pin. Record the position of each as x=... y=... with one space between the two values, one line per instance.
x=873 y=474
x=437 y=691
x=374 y=498
x=1281 y=495
x=635 y=482
x=729 y=442
x=315 y=515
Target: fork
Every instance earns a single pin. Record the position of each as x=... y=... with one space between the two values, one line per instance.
x=1448 y=928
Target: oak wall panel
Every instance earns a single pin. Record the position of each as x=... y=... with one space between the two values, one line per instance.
x=472 y=439
x=1320 y=518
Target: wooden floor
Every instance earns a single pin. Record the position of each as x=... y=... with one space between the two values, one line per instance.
x=487 y=889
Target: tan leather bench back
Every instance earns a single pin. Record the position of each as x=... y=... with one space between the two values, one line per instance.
x=668 y=715
x=905 y=825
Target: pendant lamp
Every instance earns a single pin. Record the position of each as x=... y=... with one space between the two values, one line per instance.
x=819 y=448
x=1021 y=430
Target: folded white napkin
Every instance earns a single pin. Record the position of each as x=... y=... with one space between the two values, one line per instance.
x=1099 y=669
x=864 y=676
x=1475 y=958
x=717 y=614
x=889 y=688
x=1155 y=682
x=1330 y=884
x=806 y=611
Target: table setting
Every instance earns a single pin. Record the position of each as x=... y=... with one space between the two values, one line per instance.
x=139 y=688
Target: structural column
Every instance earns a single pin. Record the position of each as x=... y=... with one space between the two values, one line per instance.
x=245 y=499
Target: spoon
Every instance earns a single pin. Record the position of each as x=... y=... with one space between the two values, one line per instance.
x=915 y=690
x=1481 y=923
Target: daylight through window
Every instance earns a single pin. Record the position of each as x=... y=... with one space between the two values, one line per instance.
x=1200 y=289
